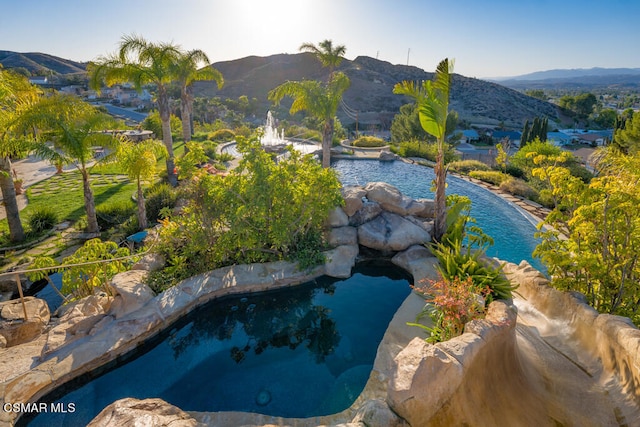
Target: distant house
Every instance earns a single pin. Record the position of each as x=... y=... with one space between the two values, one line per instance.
x=39 y=80
x=559 y=139
x=501 y=135
x=470 y=135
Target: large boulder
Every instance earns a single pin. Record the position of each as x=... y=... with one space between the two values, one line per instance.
x=131 y=292
x=392 y=200
x=15 y=328
x=368 y=211
x=142 y=413
x=391 y=233
x=342 y=236
x=337 y=218
x=353 y=195
x=340 y=261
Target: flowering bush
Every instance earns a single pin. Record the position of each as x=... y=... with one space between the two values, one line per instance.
x=451 y=304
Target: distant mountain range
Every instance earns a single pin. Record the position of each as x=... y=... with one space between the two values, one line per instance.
x=579 y=79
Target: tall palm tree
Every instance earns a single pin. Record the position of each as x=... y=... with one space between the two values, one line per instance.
x=74 y=128
x=186 y=72
x=139 y=161
x=319 y=100
x=141 y=62
x=329 y=56
x=16 y=94
x=432 y=99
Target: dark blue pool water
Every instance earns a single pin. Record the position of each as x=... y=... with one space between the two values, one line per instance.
x=511 y=229
x=298 y=352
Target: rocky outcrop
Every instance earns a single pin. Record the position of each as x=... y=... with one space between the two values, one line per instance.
x=383 y=218
x=143 y=413
x=15 y=329
x=131 y=292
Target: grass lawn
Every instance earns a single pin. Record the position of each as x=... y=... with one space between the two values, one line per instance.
x=64 y=192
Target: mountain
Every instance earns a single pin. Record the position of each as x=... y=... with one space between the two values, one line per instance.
x=40 y=63
x=576 y=79
x=576 y=73
x=370 y=96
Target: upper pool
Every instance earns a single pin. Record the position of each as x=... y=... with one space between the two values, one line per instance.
x=511 y=228
x=296 y=352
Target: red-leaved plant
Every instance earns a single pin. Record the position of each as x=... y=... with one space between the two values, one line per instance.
x=451 y=304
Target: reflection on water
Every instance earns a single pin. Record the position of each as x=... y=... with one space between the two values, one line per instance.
x=297 y=352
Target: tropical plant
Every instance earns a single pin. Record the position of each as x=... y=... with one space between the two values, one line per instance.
x=138 y=160
x=16 y=95
x=319 y=100
x=141 y=62
x=329 y=55
x=190 y=67
x=462 y=248
x=75 y=128
x=432 y=99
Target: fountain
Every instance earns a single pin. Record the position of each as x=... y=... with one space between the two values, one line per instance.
x=270 y=137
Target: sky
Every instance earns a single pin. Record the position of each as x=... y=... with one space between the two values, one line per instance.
x=486 y=38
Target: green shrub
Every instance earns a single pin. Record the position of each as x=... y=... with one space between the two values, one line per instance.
x=518 y=187
x=492 y=177
x=43 y=219
x=368 y=141
x=514 y=171
x=114 y=213
x=158 y=197
x=466 y=166
x=222 y=135
x=425 y=150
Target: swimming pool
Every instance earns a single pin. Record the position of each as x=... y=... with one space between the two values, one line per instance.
x=511 y=229
x=297 y=352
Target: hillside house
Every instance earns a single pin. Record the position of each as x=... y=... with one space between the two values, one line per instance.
x=560 y=139
x=470 y=136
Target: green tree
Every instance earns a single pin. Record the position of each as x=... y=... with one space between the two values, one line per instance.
x=317 y=99
x=627 y=139
x=406 y=125
x=537 y=93
x=75 y=128
x=141 y=62
x=16 y=95
x=138 y=160
x=606 y=118
x=432 y=98
x=192 y=66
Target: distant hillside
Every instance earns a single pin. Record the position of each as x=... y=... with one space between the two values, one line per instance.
x=40 y=63
x=576 y=79
x=577 y=72
x=370 y=94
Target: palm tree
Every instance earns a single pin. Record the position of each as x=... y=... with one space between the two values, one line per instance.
x=432 y=99
x=16 y=94
x=75 y=128
x=319 y=100
x=139 y=161
x=141 y=62
x=328 y=55
x=186 y=72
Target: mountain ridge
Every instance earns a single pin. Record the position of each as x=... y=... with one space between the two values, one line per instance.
x=369 y=100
